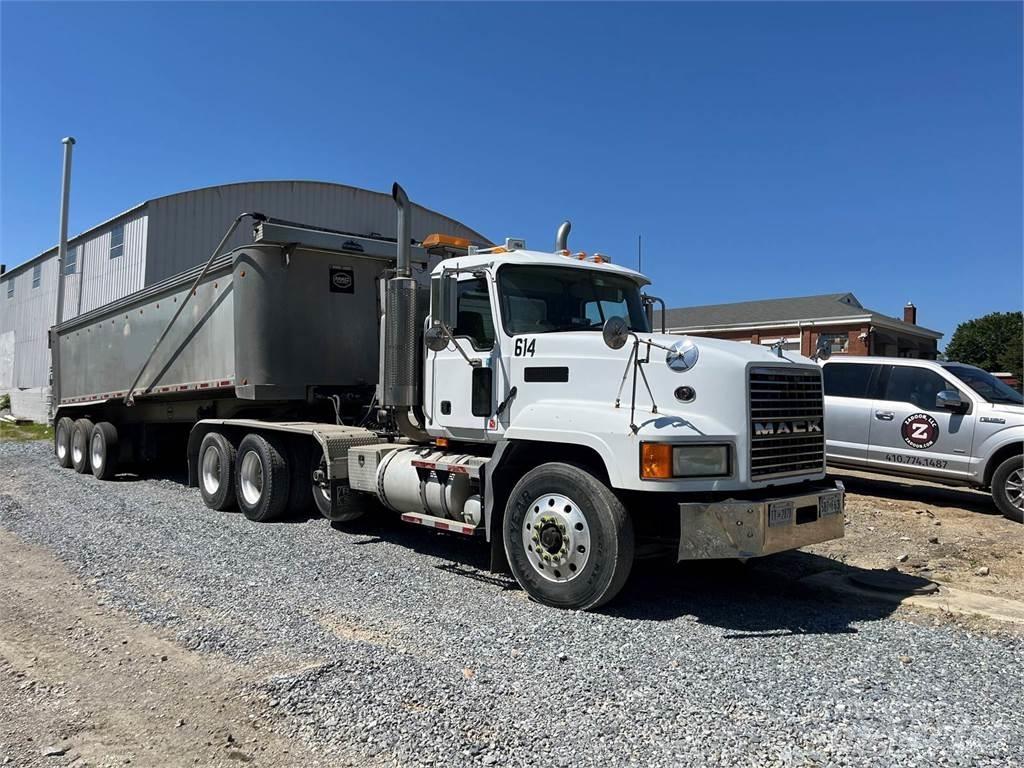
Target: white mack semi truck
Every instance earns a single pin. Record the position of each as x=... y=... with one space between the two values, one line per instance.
x=497 y=393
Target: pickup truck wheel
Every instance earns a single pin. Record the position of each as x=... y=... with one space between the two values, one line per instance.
x=103 y=450
x=261 y=478
x=81 y=432
x=568 y=538
x=62 y=441
x=217 y=471
x=1008 y=488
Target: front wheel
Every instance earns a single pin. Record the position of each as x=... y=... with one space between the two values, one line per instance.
x=1008 y=488
x=568 y=538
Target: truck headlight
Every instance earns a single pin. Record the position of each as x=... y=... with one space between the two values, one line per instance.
x=663 y=461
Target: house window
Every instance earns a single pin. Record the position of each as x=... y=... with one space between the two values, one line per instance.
x=117 y=241
x=71 y=260
x=839 y=343
x=10 y=288
x=37 y=274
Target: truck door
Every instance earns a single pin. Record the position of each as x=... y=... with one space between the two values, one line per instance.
x=910 y=433
x=848 y=412
x=461 y=397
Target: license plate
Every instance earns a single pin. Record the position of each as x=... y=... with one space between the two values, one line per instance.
x=830 y=505
x=780 y=513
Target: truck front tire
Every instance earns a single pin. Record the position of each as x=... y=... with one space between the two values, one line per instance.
x=1008 y=488
x=568 y=538
x=103 y=451
x=217 y=471
x=81 y=434
x=261 y=478
x=62 y=441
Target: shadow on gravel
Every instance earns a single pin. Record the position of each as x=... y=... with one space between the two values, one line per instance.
x=762 y=598
x=926 y=495
x=758 y=599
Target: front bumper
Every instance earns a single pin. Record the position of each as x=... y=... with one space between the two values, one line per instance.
x=742 y=529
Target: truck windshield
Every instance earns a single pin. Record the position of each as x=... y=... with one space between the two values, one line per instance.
x=544 y=299
x=986 y=385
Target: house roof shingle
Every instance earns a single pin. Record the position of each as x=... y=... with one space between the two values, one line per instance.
x=782 y=312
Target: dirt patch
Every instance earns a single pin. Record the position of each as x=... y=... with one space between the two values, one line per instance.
x=81 y=684
x=952 y=536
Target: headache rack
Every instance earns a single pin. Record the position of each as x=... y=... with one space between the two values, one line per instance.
x=786 y=422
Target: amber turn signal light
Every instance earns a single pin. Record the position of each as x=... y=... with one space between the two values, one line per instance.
x=655 y=461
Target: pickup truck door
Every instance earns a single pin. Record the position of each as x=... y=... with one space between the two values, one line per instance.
x=911 y=434
x=849 y=389
x=460 y=396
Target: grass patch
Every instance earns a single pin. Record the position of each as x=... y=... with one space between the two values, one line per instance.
x=21 y=433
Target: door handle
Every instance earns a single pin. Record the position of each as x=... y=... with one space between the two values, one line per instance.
x=884 y=415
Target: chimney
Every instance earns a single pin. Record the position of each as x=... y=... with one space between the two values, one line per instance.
x=910 y=313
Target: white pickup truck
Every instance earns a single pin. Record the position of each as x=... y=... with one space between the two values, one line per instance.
x=947 y=422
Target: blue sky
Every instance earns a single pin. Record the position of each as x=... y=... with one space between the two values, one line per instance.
x=763 y=150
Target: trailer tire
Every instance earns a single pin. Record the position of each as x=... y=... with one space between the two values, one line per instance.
x=568 y=538
x=261 y=478
x=81 y=434
x=62 y=441
x=1007 y=488
x=103 y=450
x=216 y=465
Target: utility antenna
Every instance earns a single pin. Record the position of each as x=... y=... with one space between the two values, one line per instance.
x=639 y=253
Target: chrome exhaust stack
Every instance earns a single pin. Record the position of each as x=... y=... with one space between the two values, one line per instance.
x=399 y=380
x=562 y=237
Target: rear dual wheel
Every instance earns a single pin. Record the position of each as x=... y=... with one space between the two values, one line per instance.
x=62 y=441
x=568 y=538
x=261 y=478
x=103 y=450
x=81 y=436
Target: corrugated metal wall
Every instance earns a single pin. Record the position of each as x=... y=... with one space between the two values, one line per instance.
x=97 y=280
x=185 y=228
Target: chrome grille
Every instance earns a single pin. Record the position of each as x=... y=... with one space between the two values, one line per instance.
x=786 y=422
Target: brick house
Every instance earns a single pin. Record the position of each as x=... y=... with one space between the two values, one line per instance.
x=851 y=328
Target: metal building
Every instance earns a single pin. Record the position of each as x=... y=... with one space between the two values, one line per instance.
x=157 y=239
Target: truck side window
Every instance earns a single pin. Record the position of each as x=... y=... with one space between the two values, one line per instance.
x=848 y=379
x=474 y=320
x=915 y=385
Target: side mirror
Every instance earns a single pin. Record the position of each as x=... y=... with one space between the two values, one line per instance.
x=615 y=332
x=823 y=349
x=435 y=338
x=950 y=399
x=444 y=294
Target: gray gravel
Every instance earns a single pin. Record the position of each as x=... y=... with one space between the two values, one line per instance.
x=393 y=641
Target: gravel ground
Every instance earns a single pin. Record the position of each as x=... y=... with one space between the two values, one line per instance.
x=392 y=642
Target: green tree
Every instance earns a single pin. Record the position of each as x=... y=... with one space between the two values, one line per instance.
x=994 y=342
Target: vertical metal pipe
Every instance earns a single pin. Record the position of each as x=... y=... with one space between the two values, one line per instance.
x=403 y=265
x=62 y=243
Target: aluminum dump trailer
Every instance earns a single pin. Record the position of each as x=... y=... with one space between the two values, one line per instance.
x=272 y=330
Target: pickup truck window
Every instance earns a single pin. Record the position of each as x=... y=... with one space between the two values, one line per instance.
x=986 y=385
x=915 y=385
x=474 y=320
x=848 y=379
x=548 y=299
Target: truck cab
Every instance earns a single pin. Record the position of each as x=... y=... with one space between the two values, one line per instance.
x=943 y=421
